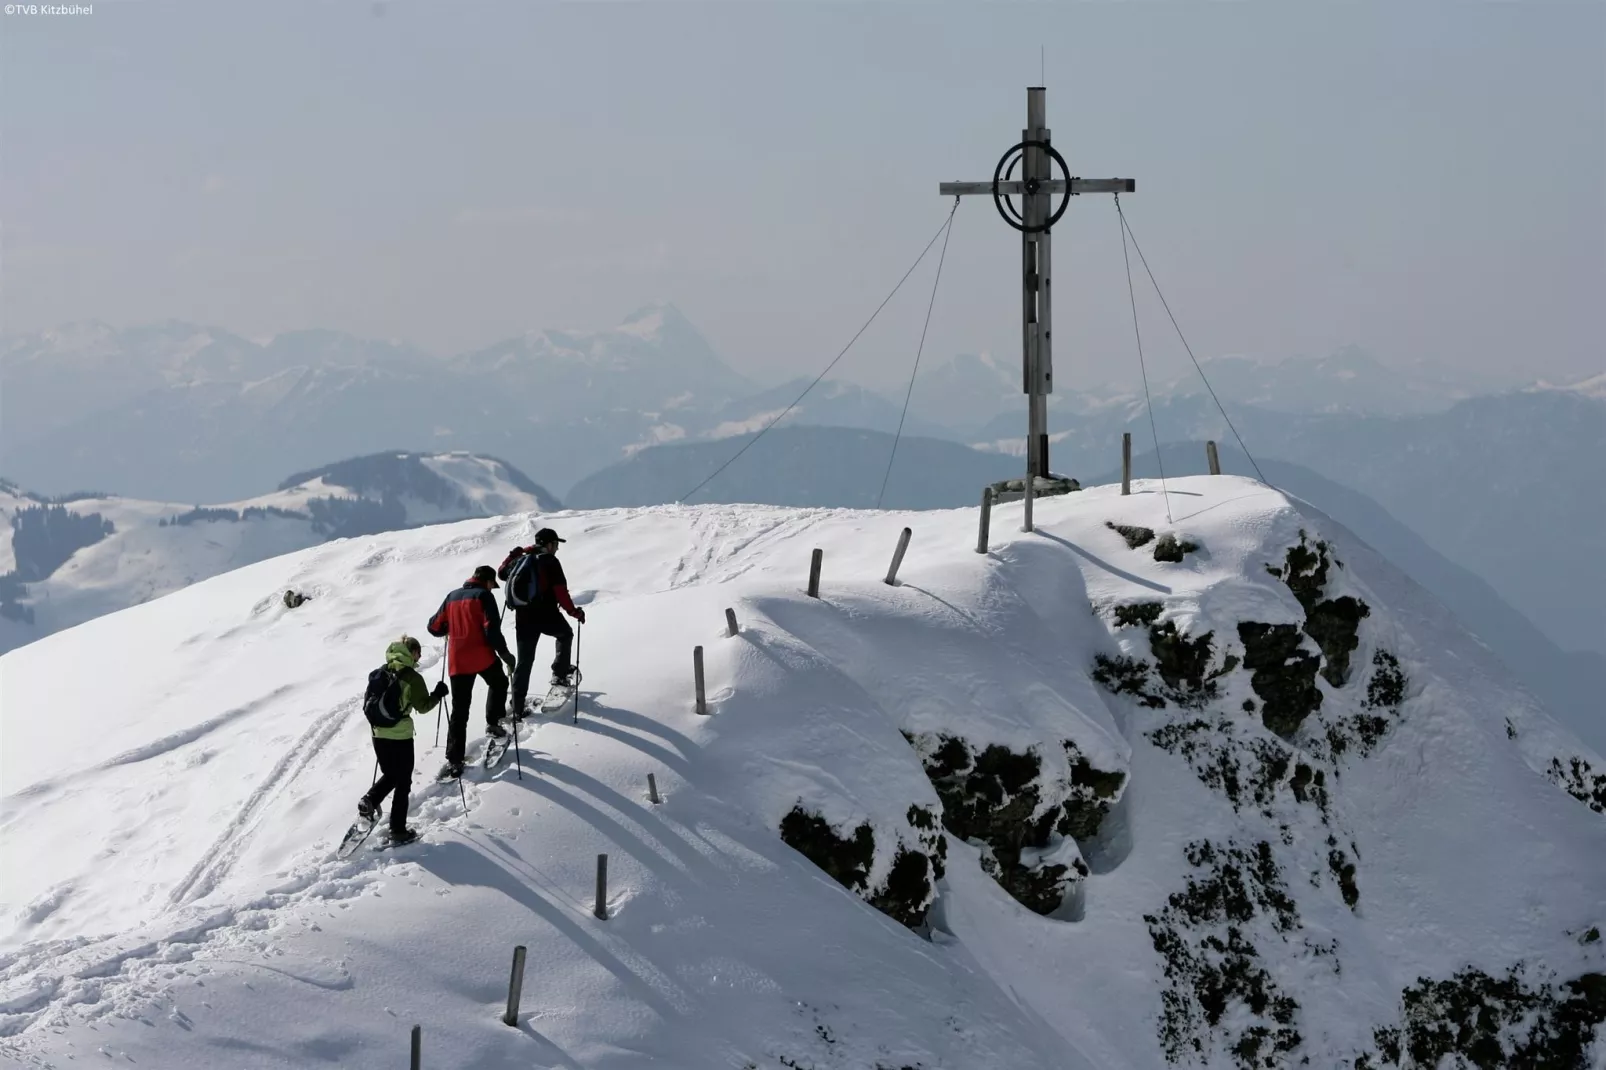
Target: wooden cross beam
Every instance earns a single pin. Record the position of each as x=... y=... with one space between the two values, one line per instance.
x=1037 y=187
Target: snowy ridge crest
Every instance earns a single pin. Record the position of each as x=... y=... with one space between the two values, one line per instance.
x=1217 y=788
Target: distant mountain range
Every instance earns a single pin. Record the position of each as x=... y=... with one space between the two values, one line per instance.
x=801 y=466
x=72 y=559
x=1500 y=484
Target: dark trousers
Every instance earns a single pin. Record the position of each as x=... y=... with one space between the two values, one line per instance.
x=395 y=775
x=529 y=625
x=462 y=692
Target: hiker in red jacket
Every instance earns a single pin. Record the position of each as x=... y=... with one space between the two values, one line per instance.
x=473 y=629
x=536 y=591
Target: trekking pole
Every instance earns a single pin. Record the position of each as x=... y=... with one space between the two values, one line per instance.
x=438 y=705
x=461 y=795
x=578 y=628
x=518 y=760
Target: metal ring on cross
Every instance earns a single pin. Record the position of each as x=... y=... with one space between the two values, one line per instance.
x=1001 y=200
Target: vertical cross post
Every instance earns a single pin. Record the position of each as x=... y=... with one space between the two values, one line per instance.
x=1213 y=458
x=1036 y=318
x=417 y=1060
x=1037 y=188
x=1126 y=462
x=600 y=910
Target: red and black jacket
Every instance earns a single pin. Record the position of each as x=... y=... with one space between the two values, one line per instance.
x=473 y=629
x=551 y=585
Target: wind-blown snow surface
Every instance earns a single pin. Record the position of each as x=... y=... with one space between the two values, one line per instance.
x=176 y=776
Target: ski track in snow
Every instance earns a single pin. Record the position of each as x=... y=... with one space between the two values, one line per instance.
x=112 y=974
x=215 y=864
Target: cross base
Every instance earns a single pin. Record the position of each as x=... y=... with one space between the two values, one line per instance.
x=1013 y=490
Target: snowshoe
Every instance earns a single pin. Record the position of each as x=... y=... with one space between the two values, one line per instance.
x=496 y=731
x=450 y=771
x=368 y=811
x=354 y=837
x=555 y=698
x=495 y=748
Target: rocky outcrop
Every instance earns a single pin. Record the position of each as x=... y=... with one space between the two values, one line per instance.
x=1208 y=938
x=1000 y=801
x=1474 y=1019
x=905 y=894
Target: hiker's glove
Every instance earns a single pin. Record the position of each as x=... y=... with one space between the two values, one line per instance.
x=439 y=692
x=579 y=614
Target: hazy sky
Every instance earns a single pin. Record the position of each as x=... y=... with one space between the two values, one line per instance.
x=1426 y=180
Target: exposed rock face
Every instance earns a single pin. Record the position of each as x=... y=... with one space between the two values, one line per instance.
x=1134 y=536
x=1579 y=779
x=1000 y=801
x=1283 y=675
x=905 y=894
x=1172 y=550
x=1333 y=623
x=1476 y=1020
x=1207 y=935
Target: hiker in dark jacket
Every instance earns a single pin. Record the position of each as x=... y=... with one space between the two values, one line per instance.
x=473 y=629
x=544 y=588
x=393 y=744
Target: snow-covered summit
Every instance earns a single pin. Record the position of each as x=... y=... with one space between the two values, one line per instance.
x=1197 y=778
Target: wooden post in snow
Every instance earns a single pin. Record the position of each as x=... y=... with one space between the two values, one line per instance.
x=897 y=557
x=814 y=572
x=1126 y=463
x=697 y=671
x=986 y=519
x=418 y=1047
x=515 y=987
x=601 y=908
x=1215 y=461
x=730 y=623
x=652 y=790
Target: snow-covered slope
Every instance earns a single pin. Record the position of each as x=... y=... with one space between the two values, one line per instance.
x=1208 y=806
x=155 y=548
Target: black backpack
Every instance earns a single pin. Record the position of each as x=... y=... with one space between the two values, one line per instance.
x=382 y=702
x=521 y=582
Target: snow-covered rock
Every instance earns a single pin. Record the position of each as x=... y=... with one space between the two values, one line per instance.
x=1254 y=799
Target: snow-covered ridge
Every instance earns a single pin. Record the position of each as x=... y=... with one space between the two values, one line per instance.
x=1592 y=387
x=154 y=548
x=1227 y=789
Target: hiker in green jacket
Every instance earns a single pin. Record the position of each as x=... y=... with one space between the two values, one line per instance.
x=393 y=744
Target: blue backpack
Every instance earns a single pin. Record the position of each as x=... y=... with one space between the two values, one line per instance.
x=382 y=702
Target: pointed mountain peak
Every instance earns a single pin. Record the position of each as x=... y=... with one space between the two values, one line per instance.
x=658 y=318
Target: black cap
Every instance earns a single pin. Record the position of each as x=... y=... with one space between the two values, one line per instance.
x=487 y=575
x=546 y=535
